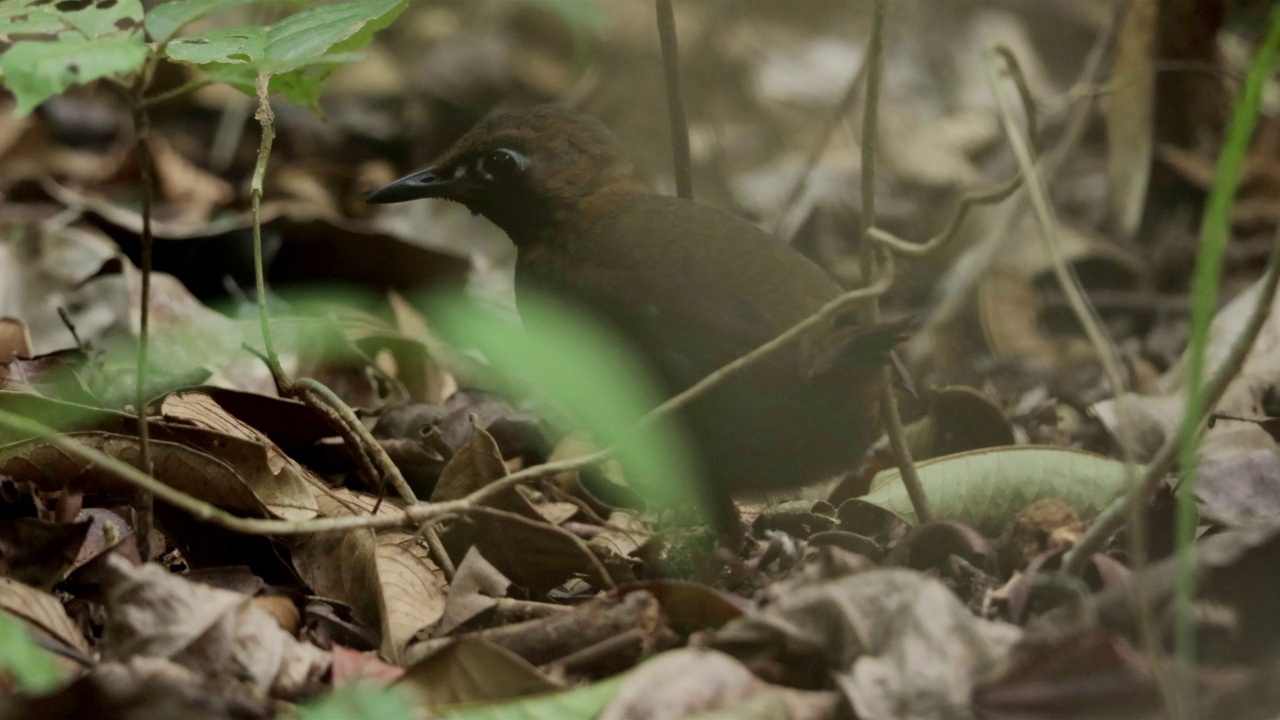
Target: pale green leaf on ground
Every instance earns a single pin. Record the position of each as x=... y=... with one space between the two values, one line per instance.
x=36 y=70
x=987 y=488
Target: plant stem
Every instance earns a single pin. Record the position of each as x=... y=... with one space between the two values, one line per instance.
x=675 y=98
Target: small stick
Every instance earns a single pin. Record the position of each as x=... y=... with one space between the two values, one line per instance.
x=675 y=98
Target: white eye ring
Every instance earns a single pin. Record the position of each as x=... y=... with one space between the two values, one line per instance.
x=500 y=164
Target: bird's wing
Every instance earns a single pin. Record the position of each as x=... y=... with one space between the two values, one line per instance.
x=696 y=287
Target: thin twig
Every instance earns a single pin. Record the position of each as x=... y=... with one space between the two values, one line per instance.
x=675 y=98
x=824 y=139
x=315 y=393
x=310 y=391
x=959 y=280
x=266 y=118
x=142 y=135
x=1088 y=318
x=890 y=415
x=969 y=200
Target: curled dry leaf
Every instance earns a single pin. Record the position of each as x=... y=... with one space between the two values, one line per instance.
x=897 y=643
x=475 y=589
x=932 y=544
x=1240 y=489
x=1151 y=418
x=155 y=613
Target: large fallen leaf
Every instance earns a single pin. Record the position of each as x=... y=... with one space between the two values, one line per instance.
x=987 y=488
x=282 y=483
x=388 y=578
x=198 y=474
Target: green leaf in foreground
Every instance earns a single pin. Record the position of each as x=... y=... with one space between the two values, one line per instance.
x=360 y=701
x=987 y=488
x=32 y=667
x=570 y=363
x=71 y=20
x=299 y=51
x=165 y=20
x=35 y=70
x=582 y=703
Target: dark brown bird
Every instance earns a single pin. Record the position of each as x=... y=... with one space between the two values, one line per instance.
x=691 y=286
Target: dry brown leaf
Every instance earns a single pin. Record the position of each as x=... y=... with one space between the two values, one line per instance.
x=155 y=613
x=281 y=482
x=388 y=578
x=475 y=589
x=472 y=670
x=1153 y=417
x=190 y=471
x=42 y=611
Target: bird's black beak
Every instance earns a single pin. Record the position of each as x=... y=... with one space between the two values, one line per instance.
x=434 y=182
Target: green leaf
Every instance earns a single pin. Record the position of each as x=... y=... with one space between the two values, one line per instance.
x=359 y=701
x=987 y=488
x=165 y=20
x=36 y=70
x=300 y=50
x=18 y=19
x=582 y=703
x=562 y=356
x=81 y=19
x=33 y=667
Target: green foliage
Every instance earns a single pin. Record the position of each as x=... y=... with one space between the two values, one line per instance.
x=32 y=667
x=359 y=701
x=94 y=39
x=563 y=357
x=300 y=50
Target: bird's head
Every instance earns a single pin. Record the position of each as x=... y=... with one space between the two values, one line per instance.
x=520 y=168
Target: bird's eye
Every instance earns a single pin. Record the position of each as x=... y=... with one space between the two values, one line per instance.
x=500 y=164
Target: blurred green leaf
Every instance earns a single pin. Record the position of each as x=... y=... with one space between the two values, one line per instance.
x=359 y=701
x=165 y=20
x=87 y=19
x=300 y=50
x=35 y=70
x=564 y=357
x=32 y=667
x=582 y=703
